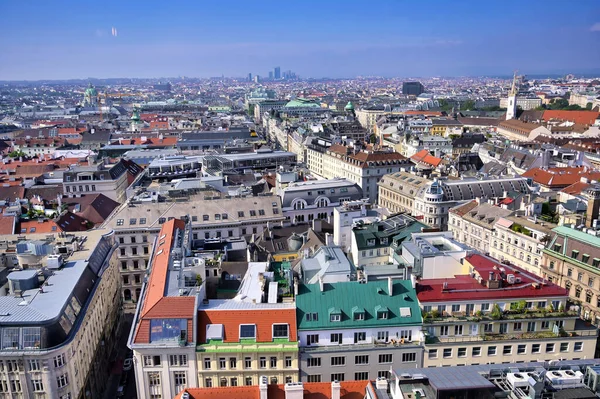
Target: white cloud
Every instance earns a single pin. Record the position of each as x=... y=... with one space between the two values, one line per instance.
x=595 y=27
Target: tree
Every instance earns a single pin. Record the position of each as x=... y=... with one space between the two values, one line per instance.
x=589 y=106
x=251 y=110
x=468 y=105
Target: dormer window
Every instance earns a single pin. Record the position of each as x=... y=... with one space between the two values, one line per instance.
x=384 y=240
x=358 y=313
x=371 y=242
x=335 y=315
x=381 y=312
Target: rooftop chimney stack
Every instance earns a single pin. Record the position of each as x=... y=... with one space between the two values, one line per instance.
x=294 y=390
x=263 y=387
x=336 y=390
x=390 y=287
x=381 y=383
x=321 y=283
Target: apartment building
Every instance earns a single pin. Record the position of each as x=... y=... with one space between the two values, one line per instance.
x=60 y=314
x=347 y=215
x=163 y=333
x=138 y=222
x=520 y=241
x=249 y=336
x=397 y=191
x=473 y=223
x=112 y=181
x=432 y=200
x=357 y=330
x=373 y=244
x=364 y=167
x=496 y=313
x=306 y=201
x=571 y=259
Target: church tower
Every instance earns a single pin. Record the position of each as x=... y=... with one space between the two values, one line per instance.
x=511 y=107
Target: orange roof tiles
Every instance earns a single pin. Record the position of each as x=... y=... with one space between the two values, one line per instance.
x=312 y=390
x=575 y=188
x=582 y=117
x=561 y=177
x=427 y=113
x=7 y=224
x=160 y=264
x=231 y=320
x=425 y=157
x=38 y=227
x=156 y=305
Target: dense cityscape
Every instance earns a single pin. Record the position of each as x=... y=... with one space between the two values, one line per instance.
x=273 y=234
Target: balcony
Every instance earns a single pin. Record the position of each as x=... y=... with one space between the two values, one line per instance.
x=462 y=317
x=251 y=346
x=360 y=346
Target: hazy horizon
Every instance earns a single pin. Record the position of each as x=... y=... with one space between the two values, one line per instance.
x=71 y=40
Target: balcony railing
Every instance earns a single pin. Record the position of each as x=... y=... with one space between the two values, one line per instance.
x=458 y=317
x=510 y=336
x=360 y=346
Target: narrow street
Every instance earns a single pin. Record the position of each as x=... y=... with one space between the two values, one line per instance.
x=120 y=353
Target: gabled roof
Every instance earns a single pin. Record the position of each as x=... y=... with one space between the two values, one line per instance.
x=575 y=188
x=7 y=224
x=424 y=157
x=94 y=207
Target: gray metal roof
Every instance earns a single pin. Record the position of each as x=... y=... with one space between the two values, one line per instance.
x=39 y=307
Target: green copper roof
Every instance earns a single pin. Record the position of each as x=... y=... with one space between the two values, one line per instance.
x=577 y=235
x=349 y=106
x=91 y=91
x=302 y=102
x=351 y=298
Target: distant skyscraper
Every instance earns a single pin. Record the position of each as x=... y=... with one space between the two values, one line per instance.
x=412 y=88
x=270 y=74
x=250 y=77
x=277 y=73
x=256 y=79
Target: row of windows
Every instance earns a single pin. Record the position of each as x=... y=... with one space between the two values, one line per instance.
x=174 y=360
x=234 y=381
x=358 y=376
x=487 y=306
x=233 y=363
x=85 y=188
x=521 y=349
x=384 y=358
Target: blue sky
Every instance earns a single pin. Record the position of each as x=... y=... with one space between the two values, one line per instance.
x=201 y=38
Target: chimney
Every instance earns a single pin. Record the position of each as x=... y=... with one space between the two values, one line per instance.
x=328 y=239
x=295 y=286
x=321 y=283
x=294 y=390
x=263 y=386
x=381 y=383
x=336 y=390
x=390 y=287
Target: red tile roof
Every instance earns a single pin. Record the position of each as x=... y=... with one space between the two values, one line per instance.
x=582 y=117
x=155 y=290
x=7 y=224
x=366 y=158
x=156 y=305
x=231 y=320
x=427 y=113
x=424 y=157
x=37 y=227
x=575 y=188
x=312 y=390
x=466 y=287
x=561 y=177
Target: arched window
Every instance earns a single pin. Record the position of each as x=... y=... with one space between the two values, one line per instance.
x=138 y=293
x=127 y=295
x=299 y=204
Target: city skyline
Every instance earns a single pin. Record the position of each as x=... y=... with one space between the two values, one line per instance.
x=392 y=39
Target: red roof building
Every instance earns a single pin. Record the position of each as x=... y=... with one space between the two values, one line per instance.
x=580 y=117
x=425 y=159
x=489 y=281
x=561 y=177
x=307 y=390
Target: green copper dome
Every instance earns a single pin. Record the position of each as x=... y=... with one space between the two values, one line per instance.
x=91 y=91
x=349 y=106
